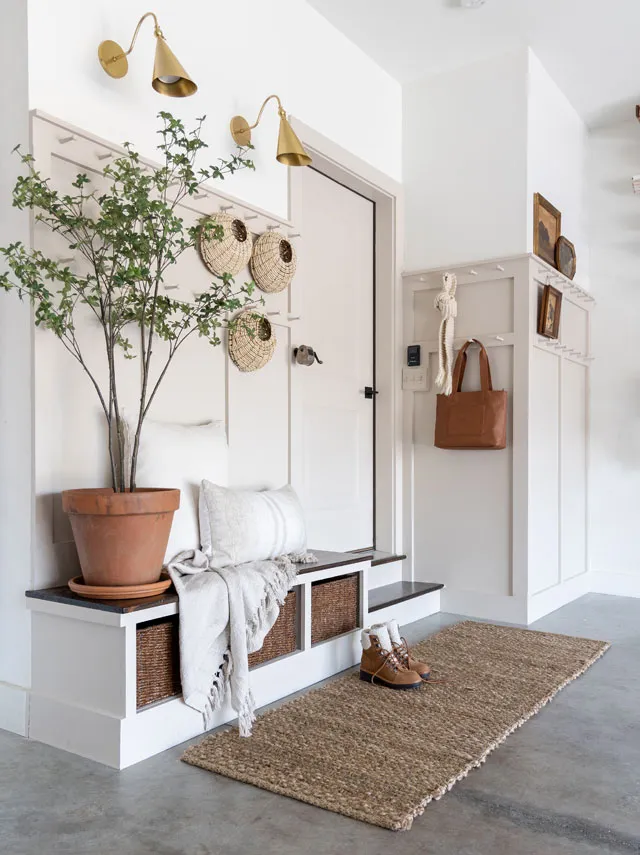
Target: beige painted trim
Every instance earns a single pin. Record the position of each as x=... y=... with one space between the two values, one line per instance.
x=387 y=194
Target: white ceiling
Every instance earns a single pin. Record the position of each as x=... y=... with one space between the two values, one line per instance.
x=589 y=47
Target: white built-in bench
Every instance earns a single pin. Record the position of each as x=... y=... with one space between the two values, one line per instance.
x=87 y=656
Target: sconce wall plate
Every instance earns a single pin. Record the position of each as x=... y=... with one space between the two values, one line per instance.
x=113 y=59
x=240 y=131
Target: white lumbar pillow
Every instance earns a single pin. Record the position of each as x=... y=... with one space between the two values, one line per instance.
x=237 y=526
x=174 y=455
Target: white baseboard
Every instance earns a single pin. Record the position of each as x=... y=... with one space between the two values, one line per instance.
x=618 y=584
x=86 y=732
x=13 y=708
x=545 y=602
x=483 y=606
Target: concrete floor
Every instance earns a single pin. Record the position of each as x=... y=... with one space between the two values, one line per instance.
x=567 y=782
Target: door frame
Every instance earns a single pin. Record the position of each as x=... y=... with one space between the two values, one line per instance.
x=344 y=167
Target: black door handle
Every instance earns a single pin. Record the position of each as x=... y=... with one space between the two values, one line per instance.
x=369 y=392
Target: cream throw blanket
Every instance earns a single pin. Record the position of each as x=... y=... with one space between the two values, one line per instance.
x=224 y=615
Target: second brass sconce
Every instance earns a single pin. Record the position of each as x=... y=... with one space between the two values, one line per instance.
x=169 y=77
x=290 y=150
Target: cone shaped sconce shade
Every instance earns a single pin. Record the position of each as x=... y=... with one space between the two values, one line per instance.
x=290 y=152
x=290 y=149
x=169 y=77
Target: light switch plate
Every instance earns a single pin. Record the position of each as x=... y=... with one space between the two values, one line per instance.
x=415 y=379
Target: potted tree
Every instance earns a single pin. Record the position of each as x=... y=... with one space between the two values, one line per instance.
x=128 y=236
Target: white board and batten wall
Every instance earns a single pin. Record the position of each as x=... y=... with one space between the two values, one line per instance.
x=506 y=531
x=310 y=426
x=268 y=417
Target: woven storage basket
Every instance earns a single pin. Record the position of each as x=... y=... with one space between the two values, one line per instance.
x=230 y=254
x=282 y=638
x=157 y=662
x=334 y=607
x=273 y=262
x=252 y=341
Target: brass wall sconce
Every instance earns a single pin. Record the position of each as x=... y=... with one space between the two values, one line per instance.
x=290 y=150
x=169 y=77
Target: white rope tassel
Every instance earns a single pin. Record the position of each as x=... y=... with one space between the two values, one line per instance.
x=446 y=304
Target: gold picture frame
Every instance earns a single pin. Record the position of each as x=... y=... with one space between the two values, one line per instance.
x=547 y=228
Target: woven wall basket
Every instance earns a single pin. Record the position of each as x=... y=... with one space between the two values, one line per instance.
x=273 y=262
x=230 y=254
x=252 y=341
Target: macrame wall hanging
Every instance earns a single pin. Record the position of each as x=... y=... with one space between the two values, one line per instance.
x=273 y=262
x=446 y=304
x=230 y=254
x=252 y=341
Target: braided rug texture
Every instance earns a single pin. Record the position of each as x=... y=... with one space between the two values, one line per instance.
x=381 y=756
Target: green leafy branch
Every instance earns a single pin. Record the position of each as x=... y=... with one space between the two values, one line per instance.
x=129 y=235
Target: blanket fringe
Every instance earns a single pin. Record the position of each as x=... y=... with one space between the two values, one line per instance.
x=275 y=592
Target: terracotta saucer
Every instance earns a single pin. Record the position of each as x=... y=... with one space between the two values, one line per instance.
x=120 y=592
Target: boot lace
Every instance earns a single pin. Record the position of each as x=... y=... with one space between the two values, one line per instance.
x=390 y=659
x=402 y=652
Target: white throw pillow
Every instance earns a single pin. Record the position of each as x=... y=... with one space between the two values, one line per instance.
x=237 y=526
x=173 y=455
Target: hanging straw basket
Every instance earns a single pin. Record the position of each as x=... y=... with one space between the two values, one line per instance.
x=251 y=341
x=230 y=254
x=273 y=262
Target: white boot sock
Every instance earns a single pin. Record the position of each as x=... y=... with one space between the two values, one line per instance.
x=380 y=630
x=364 y=638
x=394 y=631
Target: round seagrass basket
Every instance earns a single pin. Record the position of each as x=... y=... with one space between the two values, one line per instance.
x=230 y=254
x=251 y=341
x=273 y=262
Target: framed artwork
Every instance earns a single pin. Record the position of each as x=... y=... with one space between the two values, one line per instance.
x=549 y=317
x=547 y=222
x=566 y=257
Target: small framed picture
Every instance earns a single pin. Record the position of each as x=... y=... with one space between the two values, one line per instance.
x=549 y=317
x=566 y=257
x=547 y=222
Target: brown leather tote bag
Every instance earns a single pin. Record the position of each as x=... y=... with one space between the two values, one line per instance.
x=472 y=419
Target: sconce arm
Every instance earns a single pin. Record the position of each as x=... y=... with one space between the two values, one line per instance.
x=156 y=32
x=281 y=111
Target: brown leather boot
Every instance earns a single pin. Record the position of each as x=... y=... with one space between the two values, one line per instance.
x=380 y=665
x=402 y=651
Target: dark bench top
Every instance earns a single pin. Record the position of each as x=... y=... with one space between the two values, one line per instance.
x=62 y=594
x=398 y=592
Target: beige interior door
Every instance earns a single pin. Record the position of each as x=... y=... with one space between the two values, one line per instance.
x=332 y=420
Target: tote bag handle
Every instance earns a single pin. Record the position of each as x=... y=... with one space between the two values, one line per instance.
x=461 y=363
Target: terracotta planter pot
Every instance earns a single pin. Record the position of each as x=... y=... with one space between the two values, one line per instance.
x=121 y=538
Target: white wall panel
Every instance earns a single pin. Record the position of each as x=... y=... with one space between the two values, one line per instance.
x=259 y=420
x=483 y=308
x=544 y=473
x=504 y=530
x=574 y=470
x=463 y=498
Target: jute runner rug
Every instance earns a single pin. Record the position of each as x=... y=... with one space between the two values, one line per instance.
x=380 y=755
